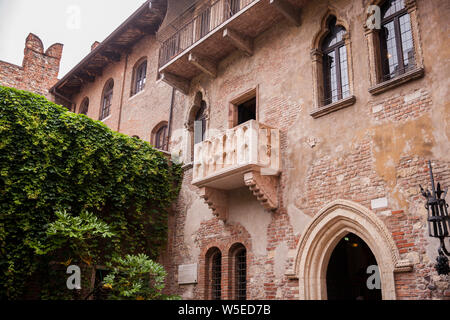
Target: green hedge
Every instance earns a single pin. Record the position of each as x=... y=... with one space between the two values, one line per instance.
x=54 y=160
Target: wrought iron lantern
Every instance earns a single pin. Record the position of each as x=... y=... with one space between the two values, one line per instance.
x=438 y=221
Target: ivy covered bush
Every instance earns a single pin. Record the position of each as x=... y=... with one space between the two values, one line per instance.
x=73 y=190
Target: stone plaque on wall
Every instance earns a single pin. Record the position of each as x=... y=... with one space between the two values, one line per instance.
x=187 y=274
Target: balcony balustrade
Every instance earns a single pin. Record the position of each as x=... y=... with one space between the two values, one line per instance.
x=247 y=155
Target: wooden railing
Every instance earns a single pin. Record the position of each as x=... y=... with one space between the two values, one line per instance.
x=200 y=26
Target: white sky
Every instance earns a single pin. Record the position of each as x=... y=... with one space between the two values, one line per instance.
x=74 y=23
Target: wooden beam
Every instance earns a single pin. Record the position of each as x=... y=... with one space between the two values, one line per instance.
x=243 y=43
x=110 y=56
x=94 y=71
x=119 y=49
x=85 y=77
x=204 y=64
x=79 y=78
x=291 y=12
x=179 y=83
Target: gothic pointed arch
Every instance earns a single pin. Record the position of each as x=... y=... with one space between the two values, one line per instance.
x=323 y=233
x=332 y=65
x=196 y=121
x=324 y=30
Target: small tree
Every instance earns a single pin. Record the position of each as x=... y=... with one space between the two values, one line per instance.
x=136 y=277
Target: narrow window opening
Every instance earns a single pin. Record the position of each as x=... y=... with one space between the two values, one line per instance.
x=107 y=100
x=396 y=40
x=216 y=276
x=140 y=77
x=241 y=275
x=84 y=108
x=247 y=111
x=161 y=141
x=336 y=80
x=200 y=124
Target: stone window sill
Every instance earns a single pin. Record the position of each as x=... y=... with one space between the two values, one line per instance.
x=103 y=120
x=188 y=166
x=408 y=76
x=338 y=105
x=137 y=94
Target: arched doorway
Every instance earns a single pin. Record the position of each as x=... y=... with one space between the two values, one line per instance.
x=323 y=234
x=347 y=271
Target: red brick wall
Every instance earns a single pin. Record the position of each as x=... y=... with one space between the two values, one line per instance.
x=39 y=70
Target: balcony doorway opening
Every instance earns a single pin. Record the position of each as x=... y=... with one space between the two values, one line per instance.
x=347 y=272
x=244 y=108
x=247 y=111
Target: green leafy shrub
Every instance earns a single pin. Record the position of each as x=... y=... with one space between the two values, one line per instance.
x=136 y=277
x=54 y=161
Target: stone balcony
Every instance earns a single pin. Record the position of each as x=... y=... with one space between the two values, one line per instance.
x=247 y=155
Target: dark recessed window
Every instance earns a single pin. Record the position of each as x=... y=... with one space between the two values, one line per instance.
x=247 y=111
x=161 y=141
x=335 y=67
x=84 y=108
x=140 y=77
x=107 y=99
x=397 y=48
x=200 y=123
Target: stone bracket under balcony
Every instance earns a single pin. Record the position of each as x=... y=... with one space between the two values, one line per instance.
x=245 y=156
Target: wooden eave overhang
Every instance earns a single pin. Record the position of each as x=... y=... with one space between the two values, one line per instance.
x=144 y=21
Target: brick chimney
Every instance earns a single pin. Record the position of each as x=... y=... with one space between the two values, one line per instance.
x=94 y=45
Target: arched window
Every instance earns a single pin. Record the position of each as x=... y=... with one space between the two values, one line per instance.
x=213 y=274
x=396 y=40
x=84 y=107
x=200 y=123
x=241 y=274
x=238 y=271
x=335 y=66
x=160 y=137
x=196 y=123
x=107 y=99
x=140 y=76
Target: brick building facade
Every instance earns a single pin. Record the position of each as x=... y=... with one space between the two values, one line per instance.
x=288 y=154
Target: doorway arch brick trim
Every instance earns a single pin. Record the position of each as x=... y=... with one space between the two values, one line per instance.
x=321 y=236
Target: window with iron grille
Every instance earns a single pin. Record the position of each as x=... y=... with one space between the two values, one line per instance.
x=241 y=274
x=107 y=99
x=397 y=48
x=336 y=80
x=140 y=77
x=84 y=108
x=216 y=276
